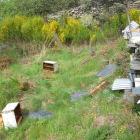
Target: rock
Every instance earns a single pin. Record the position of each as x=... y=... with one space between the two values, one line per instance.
x=78 y=95
x=137 y=2
x=107 y=71
x=40 y=114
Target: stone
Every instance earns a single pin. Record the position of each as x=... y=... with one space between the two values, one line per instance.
x=136 y=90
x=3 y=47
x=40 y=114
x=107 y=71
x=89 y=48
x=78 y=95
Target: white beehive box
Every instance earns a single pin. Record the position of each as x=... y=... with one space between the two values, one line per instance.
x=50 y=66
x=137 y=82
x=12 y=115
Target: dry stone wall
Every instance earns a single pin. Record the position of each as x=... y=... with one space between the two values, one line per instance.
x=84 y=9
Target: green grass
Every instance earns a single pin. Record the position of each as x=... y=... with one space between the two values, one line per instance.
x=73 y=120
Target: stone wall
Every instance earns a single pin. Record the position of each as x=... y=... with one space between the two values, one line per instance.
x=84 y=9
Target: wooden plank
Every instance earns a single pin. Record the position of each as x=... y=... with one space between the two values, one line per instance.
x=48 y=71
x=102 y=86
x=19 y=120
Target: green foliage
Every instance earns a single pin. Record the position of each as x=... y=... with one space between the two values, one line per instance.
x=11 y=27
x=31 y=29
x=98 y=134
x=33 y=7
x=36 y=103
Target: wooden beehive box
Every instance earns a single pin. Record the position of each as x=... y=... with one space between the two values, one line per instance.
x=50 y=66
x=1 y=122
x=12 y=115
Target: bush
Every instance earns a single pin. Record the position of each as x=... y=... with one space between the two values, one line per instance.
x=31 y=29
x=74 y=31
x=98 y=134
x=49 y=30
x=11 y=27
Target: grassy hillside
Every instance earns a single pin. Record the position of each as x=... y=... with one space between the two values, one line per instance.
x=103 y=116
x=81 y=51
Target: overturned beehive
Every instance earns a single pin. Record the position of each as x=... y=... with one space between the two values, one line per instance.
x=12 y=115
x=50 y=66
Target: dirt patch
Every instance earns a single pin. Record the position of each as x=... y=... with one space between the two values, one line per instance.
x=100 y=121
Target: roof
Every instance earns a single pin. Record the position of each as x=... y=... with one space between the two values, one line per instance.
x=51 y=62
x=10 y=107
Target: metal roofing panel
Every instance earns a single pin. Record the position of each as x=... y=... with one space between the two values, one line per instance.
x=134 y=25
x=120 y=84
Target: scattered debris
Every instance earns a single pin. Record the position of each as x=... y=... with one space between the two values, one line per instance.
x=1 y=122
x=107 y=71
x=40 y=114
x=12 y=115
x=135 y=64
x=102 y=86
x=138 y=102
x=50 y=66
x=137 y=82
x=78 y=95
x=121 y=84
x=132 y=75
x=130 y=35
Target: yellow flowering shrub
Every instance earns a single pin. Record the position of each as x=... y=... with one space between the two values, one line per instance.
x=135 y=15
x=31 y=29
x=11 y=27
x=49 y=29
x=73 y=32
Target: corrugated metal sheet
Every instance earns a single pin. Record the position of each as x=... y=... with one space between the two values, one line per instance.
x=121 y=84
x=134 y=25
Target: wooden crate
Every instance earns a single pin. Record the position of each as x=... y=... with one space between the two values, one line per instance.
x=50 y=66
x=12 y=115
x=1 y=122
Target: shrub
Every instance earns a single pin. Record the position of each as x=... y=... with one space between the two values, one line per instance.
x=74 y=31
x=49 y=30
x=11 y=27
x=31 y=29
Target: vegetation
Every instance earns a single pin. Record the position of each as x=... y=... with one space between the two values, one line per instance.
x=33 y=7
x=24 y=81
x=99 y=117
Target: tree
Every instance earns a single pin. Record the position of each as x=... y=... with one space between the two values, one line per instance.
x=121 y=6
